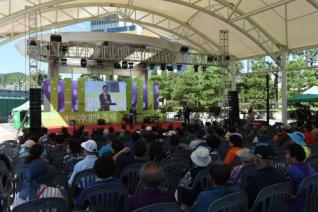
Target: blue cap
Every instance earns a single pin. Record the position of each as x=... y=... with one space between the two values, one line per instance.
x=297 y=137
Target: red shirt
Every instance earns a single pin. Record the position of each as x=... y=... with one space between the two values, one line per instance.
x=230 y=156
x=310 y=138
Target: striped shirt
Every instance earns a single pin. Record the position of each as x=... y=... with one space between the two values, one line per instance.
x=42 y=192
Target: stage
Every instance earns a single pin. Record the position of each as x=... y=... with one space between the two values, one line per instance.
x=117 y=127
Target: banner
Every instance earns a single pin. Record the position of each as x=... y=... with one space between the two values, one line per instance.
x=74 y=96
x=156 y=95
x=60 y=93
x=47 y=96
x=145 y=96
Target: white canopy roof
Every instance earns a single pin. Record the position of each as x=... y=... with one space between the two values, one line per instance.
x=256 y=27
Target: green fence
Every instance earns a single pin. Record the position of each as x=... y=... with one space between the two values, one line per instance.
x=6 y=105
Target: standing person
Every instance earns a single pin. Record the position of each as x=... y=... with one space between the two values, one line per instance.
x=132 y=116
x=186 y=114
x=104 y=99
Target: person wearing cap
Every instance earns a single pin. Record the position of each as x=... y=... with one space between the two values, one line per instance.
x=201 y=159
x=34 y=186
x=297 y=171
x=218 y=176
x=299 y=138
x=231 y=159
x=24 y=150
x=246 y=156
x=90 y=151
x=265 y=174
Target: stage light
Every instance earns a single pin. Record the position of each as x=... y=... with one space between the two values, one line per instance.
x=83 y=62
x=32 y=43
x=163 y=66
x=64 y=61
x=204 y=68
x=170 y=67
x=124 y=64
x=196 y=67
x=100 y=64
x=130 y=65
x=211 y=59
x=117 y=66
x=184 y=49
x=63 y=49
x=152 y=66
x=179 y=67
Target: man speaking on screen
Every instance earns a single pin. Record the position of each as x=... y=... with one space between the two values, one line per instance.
x=104 y=99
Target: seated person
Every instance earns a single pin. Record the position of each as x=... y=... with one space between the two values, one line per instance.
x=107 y=148
x=156 y=152
x=57 y=153
x=265 y=174
x=218 y=176
x=175 y=145
x=151 y=176
x=34 y=187
x=90 y=151
x=73 y=151
x=24 y=148
x=299 y=138
x=246 y=156
x=297 y=171
x=201 y=159
x=104 y=168
x=236 y=143
x=140 y=150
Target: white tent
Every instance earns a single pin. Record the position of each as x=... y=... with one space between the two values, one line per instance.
x=256 y=27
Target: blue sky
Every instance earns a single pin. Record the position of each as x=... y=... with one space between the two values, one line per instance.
x=12 y=61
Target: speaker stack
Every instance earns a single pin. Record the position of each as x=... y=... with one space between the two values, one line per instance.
x=35 y=108
x=234 y=112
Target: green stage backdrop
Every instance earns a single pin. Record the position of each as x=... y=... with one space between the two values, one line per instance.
x=55 y=118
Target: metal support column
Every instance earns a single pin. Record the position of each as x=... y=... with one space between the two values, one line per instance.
x=284 y=86
x=267 y=98
x=233 y=76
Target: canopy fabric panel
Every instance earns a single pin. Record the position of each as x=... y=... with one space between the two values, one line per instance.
x=310 y=95
x=256 y=27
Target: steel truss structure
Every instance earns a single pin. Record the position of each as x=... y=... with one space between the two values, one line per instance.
x=43 y=50
x=64 y=12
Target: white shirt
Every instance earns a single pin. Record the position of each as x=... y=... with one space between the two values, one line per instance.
x=87 y=163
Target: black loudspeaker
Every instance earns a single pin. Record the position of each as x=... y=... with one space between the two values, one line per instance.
x=56 y=38
x=22 y=115
x=216 y=110
x=101 y=122
x=35 y=108
x=234 y=111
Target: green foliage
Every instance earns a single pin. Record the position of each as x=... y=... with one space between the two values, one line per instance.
x=201 y=90
x=299 y=80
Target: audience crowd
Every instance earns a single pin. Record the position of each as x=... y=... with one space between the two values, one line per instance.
x=220 y=149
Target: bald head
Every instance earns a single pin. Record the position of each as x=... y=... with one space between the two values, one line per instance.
x=151 y=175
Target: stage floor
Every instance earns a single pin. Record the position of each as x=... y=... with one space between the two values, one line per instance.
x=7 y=132
x=117 y=127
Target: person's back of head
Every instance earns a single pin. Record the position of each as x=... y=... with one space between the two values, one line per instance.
x=35 y=152
x=156 y=151
x=60 y=139
x=34 y=136
x=74 y=146
x=213 y=141
x=295 y=153
x=236 y=140
x=140 y=149
x=151 y=175
x=52 y=138
x=174 y=140
x=104 y=167
x=219 y=174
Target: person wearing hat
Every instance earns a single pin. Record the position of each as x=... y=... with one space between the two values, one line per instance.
x=24 y=150
x=201 y=159
x=90 y=151
x=265 y=174
x=299 y=138
x=245 y=156
x=218 y=176
x=231 y=159
x=34 y=186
